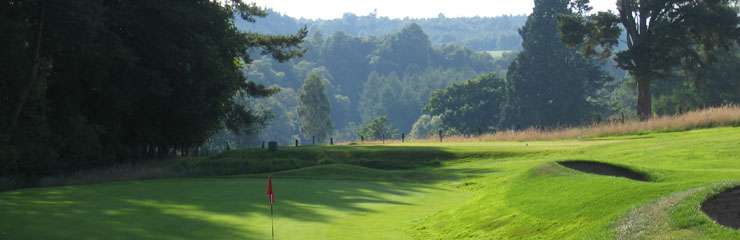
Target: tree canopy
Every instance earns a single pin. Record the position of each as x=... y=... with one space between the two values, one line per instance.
x=468 y=106
x=110 y=81
x=548 y=83
x=378 y=130
x=314 y=110
x=661 y=36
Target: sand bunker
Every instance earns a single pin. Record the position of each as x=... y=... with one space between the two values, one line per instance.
x=603 y=169
x=724 y=208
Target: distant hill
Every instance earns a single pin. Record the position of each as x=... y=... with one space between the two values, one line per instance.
x=477 y=33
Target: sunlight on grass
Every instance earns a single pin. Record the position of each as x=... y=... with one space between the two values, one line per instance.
x=478 y=190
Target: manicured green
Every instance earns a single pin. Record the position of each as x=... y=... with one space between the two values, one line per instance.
x=479 y=190
x=221 y=208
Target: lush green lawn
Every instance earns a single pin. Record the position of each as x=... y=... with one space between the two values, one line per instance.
x=221 y=208
x=441 y=191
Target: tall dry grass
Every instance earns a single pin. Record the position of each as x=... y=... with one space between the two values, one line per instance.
x=728 y=115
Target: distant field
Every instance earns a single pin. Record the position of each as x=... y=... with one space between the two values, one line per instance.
x=477 y=190
x=499 y=53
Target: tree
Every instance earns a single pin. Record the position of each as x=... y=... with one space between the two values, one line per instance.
x=547 y=82
x=103 y=82
x=377 y=130
x=401 y=98
x=470 y=105
x=721 y=88
x=314 y=110
x=661 y=35
x=409 y=47
x=425 y=127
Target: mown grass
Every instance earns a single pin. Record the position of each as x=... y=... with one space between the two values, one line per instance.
x=535 y=198
x=451 y=190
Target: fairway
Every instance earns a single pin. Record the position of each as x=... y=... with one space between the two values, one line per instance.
x=488 y=190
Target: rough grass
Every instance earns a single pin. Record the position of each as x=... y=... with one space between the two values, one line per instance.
x=484 y=190
x=705 y=118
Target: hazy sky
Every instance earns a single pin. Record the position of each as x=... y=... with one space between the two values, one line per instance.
x=330 y=9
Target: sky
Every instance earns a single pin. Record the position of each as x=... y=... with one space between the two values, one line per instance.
x=331 y=9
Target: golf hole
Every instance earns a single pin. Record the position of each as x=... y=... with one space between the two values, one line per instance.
x=604 y=169
x=724 y=208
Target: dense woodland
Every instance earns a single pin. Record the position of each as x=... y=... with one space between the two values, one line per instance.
x=477 y=33
x=99 y=82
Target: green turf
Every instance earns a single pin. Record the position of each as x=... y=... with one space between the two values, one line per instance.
x=479 y=190
x=221 y=208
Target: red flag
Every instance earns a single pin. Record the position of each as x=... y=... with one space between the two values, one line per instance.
x=269 y=190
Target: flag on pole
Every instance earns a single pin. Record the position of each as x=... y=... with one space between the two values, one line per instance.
x=269 y=190
x=272 y=200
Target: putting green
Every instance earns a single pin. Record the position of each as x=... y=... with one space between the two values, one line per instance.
x=221 y=208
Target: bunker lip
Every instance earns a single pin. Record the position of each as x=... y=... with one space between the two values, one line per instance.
x=604 y=169
x=724 y=208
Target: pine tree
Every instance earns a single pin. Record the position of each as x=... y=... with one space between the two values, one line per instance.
x=548 y=82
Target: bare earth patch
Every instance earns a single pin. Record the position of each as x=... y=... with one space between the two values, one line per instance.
x=603 y=169
x=724 y=208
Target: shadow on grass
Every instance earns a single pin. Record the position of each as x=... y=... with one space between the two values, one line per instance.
x=550 y=191
x=236 y=207
x=224 y=208
x=251 y=161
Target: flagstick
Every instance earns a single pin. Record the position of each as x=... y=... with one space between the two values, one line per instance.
x=273 y=222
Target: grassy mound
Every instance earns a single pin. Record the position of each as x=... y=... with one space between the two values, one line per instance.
x=402 y=156
x=604 y=169
x=353 y=172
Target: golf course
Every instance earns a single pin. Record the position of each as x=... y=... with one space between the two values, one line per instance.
x=428 y=190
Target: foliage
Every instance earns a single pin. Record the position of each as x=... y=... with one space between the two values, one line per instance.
x=661 y=35
x=477 y=33
x=314 y=109
x=112 y=81
x=363 y=79
x=548 y=83
x=377 y=130
x=366 y=78
x=469 y=106
x=720 y=88
x=425 y=127
x=401 y=98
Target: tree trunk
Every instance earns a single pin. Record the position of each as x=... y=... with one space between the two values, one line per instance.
x=23 y=94
x=644 y=104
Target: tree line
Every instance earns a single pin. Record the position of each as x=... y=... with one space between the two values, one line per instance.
x=96 y=82
x=477 y=33
x=554 y=82
x=559 y=78
x=364 y=77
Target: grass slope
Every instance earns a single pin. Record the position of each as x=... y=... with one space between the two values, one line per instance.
x=478 y=190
